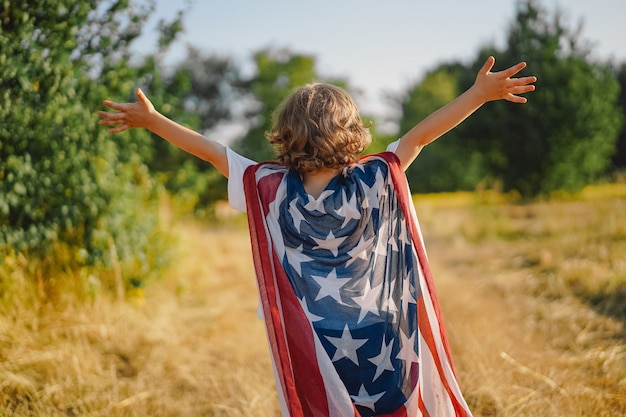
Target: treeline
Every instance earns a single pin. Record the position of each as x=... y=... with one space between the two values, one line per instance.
x=565 y=137
x=72 y=196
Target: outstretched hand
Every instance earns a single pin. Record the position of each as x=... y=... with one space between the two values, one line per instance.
x=499 y=85
x=128 y=115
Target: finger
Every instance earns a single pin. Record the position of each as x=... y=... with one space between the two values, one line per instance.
x=118 y=129
x=112 y=115
x=114 y=105
x=141 y=96
x=515 y=99
x=522 y=89
x=108 y=122
x=488 y=65
x=511 y=71
x=522 y=81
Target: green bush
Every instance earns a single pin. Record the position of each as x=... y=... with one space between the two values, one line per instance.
x=63 y=179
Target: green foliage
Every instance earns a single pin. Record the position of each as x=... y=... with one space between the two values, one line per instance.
x=462 y=166
x=46 y=140
x=201 y=93
x=196 y=189
x=63 y=180
x=563 y=138
x=278 y=72
x=380 y=140
x=619 y=158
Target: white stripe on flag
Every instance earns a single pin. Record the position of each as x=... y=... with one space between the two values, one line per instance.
x=443 y=356
x=434 y=394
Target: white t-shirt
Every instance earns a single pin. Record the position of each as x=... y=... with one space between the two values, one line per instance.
x=237 y=165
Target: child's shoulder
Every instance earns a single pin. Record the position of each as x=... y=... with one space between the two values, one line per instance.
x=375 y=162
x=370 y=168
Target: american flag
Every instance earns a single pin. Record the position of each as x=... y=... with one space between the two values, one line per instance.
x=351 y=312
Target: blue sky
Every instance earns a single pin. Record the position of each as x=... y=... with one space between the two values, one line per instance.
x=380 y=46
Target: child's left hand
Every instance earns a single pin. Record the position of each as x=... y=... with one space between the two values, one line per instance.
x=499 y=85
x=128 y=115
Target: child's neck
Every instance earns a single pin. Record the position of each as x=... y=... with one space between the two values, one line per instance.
x=315 y=182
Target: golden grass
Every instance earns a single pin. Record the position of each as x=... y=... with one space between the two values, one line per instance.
x=533 y=298
x=191 y=345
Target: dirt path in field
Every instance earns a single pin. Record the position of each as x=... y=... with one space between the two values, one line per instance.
x=517 y=352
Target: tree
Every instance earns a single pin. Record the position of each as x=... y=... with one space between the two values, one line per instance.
x=202 y=92
x=619 y=158
x=63 y=180
x=461 y=165
x=563 y=138
x=278 y=72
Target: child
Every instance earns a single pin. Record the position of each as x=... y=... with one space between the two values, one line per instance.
x=351 y=313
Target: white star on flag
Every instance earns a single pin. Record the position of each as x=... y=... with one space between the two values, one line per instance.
x=371 y=196
x=360 y=251
x=312 y=317
x=330 y=286
x=348 y=209
x=381 y=248
x=364 y=399
x=392 y=240
x=295 y=257
x=346 y=346
x=404 y=238
x=407 y=297
x=407 y=352
x=318 y=203
x=296 y=214
x=391 y=306
x=331 y=243
x=380 y=184
x=383 y=360
x=368 y=301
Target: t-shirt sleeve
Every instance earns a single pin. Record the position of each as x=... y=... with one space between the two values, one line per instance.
x=237 y=165
x=393 y=146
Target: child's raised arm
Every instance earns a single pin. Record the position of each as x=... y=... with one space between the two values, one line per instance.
x=488 y=86
x=143 y=115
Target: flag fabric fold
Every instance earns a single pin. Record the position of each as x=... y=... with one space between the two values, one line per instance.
x=352 y=317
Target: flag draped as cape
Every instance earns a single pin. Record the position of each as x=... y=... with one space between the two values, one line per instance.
x=352 y=317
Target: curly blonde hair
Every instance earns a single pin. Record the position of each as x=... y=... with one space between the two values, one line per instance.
x=318 y=126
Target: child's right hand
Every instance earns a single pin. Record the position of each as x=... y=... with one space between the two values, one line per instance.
x=500 y=86
x=128 y=115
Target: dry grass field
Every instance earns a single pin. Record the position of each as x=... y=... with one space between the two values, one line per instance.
x=534 y=300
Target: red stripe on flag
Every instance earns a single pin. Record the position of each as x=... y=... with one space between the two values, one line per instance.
x=421 y=406
x=307 y=376
x=291 y=340
x=264 y=273
x=427 y=334
x=399 y=412
x=267 y=187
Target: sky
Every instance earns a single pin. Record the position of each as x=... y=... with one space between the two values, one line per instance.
x=381 y=47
